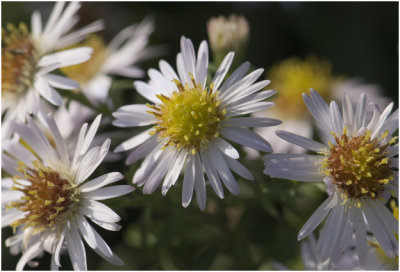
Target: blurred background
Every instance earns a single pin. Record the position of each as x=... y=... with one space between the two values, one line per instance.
x=254 y=230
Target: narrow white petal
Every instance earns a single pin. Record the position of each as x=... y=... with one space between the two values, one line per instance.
x=319 y=110
x=109 y=192
x=246 y=137
x=188 y=55
x=147 y=165
x=141 y=150
x=67 y=57
x=33 y=251
x=315 y=219
x=90 y=134
x=98 y=211
x=174 y=172
x=133 y=115
x=167 y=70
x=357 y=218
x=202 y=63
x=57 y=250
x=223 y=170
x=188 y=181
x=106 y=225
x=248 y=107
x=36 y=23
x=146 y=91
x=200 y=185
x=359 y=117
x=299 y=167
x=160 y=170
x=134 y=141
x=47 y=92
x=299 y=140
x=101 y=181
x=239 y=169
x=183 y=74
x=61 y=82
x=60 y=144
x=347 y=112
x=222 y=70
x=336 y=118
x=252 y=122
x=10 y=216
x=86 y=230
x=211 y=173
x=76 y=249
x=226 y=148
x=235 y=76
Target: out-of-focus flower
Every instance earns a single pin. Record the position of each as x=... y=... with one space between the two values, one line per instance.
x=228 y=34
x=119 y=57
x=27 y=61
x=189 y=121
x=294 y=76
x=358 y=162
x=48 y=199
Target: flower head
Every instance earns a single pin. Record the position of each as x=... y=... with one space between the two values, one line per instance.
x=228 y=34
x=28 y=58
x=358 y=162
x=48 y=197
x=119 y=57
x=189 y=120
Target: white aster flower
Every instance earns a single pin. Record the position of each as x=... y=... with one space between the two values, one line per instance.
x=119 y=57
x=358 y=161
x=28 y=59
x=189 y=120
x=292 y=77
x=49 y=197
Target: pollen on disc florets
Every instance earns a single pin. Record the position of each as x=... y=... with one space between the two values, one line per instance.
x=46 y=200
x=190 y=118
x=360 y=165
x=84 y=72
x=19 y=59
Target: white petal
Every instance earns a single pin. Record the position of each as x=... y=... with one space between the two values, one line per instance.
x=101 y=181
x=359 y=117
x=47 y=92
x=336 y=118
x=109 y=192
x=319 y=110
x=235 y=76
x=59 y=244
x=212 y=173
x=146 y=91
x=147 y=165
x=252 y=122
x=223 y=170
x=159 y=171
x=36 y=24
x=239 y=169
x=222 y=70
x=183 y=74
x=200 y=185
x=106 y=225
x=90 y=134
x=301 y=141
x=226 y=148
x=60 y=144
x=188 y=181
x=33 y=251
x=315 y=219
x=167 y=70
x=188 y=55
x=141 y=150
x=299 y=167
x=133 y=115
x=98 y=211
x=86 y=230
x=76 y=249
x=361 y=233
x=202 y=63
x=67 y=57
x=61 y=82
x=246 y=137
x=248 y=107
x=10 y=216
x=134 y=141
x=347 y=112
x=173 y=172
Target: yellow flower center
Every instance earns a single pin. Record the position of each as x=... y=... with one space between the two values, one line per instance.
x=48 y=198
x=85 y=71
x=19 y=59
x=190 y=118
x=359 y=166
x=294 y=76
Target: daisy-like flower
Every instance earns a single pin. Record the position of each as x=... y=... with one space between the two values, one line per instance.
x=292 y=77
x=190 y=120
x=358 y=162
x=49 y=199
x=117 y=58
x=28 y=59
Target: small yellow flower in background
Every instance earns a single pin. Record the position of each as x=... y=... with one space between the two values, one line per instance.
x=228 y=34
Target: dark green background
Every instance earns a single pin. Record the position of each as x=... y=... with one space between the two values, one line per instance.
x=260 y=226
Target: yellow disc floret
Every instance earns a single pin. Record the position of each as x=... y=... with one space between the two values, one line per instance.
x=190 y=118
x=294 y=76
x=19 y=59
x=46 y=200
x=83 y=72
x=359 y=166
